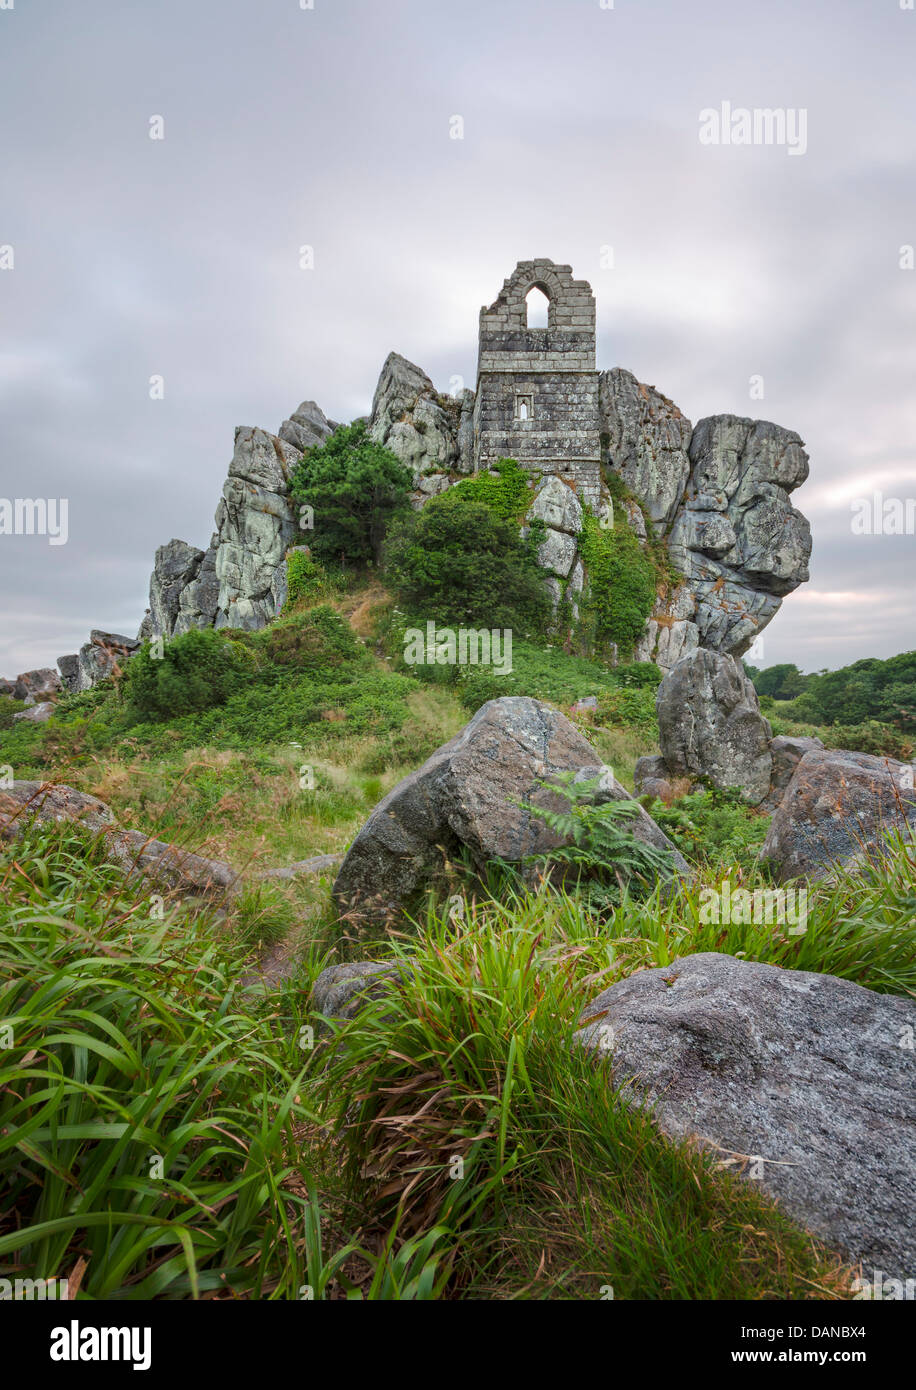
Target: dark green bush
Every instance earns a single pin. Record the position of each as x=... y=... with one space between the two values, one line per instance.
x=856 y=695
x=458 y=561
x=355 y=488
x=644 y=675
x=506 y=490
x=197 y=670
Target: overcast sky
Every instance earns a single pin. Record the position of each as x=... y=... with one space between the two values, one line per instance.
x=331 y=127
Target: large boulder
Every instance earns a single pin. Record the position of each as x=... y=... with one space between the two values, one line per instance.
x=836 y=809
x=36 y=714
x=710 y=725
x=476 y=791
x=50 y=802
x=105 y=654
x=32 y=686
x=417 y=424
x=787 y=751
x=801 y=1082
x=736 y=537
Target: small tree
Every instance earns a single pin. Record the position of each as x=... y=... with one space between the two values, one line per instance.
x=354 y=487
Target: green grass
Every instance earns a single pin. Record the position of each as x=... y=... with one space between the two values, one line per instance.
x=335 y=1169
x=126 y=1039
x=153 y=1119
x=562 y=1190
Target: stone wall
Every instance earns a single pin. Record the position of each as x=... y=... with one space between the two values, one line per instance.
x=537 y=388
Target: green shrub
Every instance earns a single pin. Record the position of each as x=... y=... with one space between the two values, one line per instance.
x=867 y=691
x=628 y=707
x=355 y=488
x=129 y=1041
x=563 y=1186
x=197 y=670
x=881 y=740
x=712 y=826
x=9 y=707
x=506 y=491
x=317 y=641
x=644 y=675
x=305 y=579
x=622 y=581
x=459 y=562
x=598 y=857
x=543 y=672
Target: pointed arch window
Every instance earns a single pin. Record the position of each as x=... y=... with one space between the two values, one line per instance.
x=537 y=306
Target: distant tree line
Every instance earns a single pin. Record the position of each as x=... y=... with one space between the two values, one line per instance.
x=868 y=689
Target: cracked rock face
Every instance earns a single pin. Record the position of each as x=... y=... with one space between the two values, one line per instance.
x=709 y=724
x=411 y=419
x=647 y=441
x=467 y=794
x=256 y=523
x=719 y=495
x=670 y=632
x=104 y=654
x=795 y=1080
x=737 y=538
x=175 y=567
x=240 y=579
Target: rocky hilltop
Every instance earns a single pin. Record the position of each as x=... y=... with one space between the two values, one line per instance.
x=717 y=494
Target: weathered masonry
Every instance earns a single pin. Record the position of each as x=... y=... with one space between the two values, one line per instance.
x=537 y=388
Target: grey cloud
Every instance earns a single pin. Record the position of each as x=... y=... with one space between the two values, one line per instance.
x=330 y=128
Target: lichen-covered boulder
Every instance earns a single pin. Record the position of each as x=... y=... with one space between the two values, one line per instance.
x=838 y=807
x=103 y=655
x=710 y=725
x=410 y=418
x=476 y=791
x=798 y=1082
x=787 y=752
x=32 y=686
x=736 y=538
x=341 y=990
x=38 y=713
x=307 y=427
